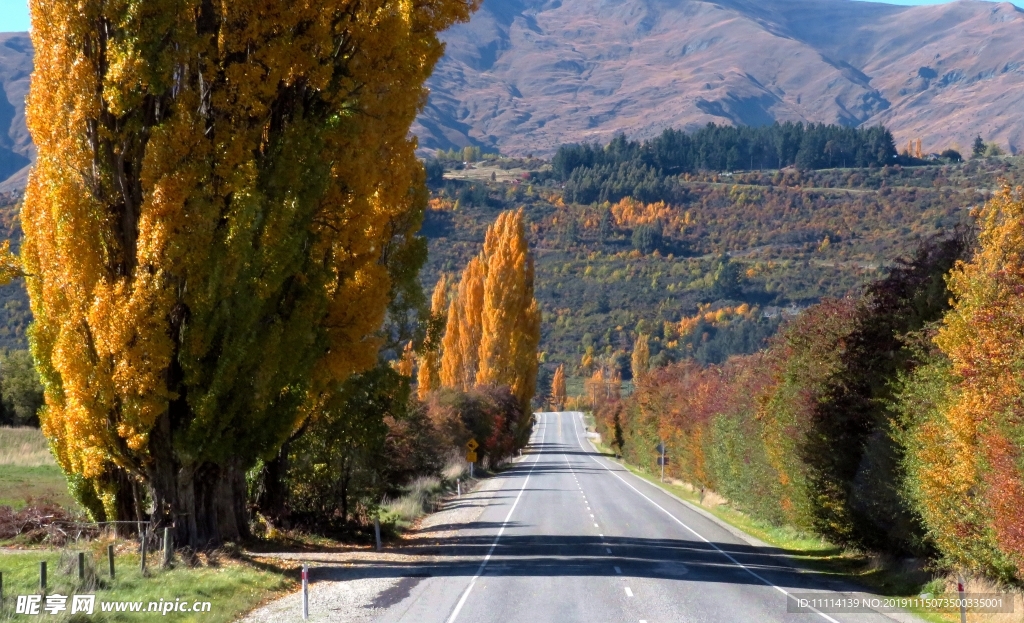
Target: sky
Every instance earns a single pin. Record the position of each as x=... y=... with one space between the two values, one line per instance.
x=14 y=13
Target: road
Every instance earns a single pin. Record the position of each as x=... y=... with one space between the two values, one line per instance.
x=572 y=536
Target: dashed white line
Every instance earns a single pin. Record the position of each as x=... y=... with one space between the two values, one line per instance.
x=617 y=570
x=608 y=549
x=691 y=530
x=629 y=593
x=494 y=544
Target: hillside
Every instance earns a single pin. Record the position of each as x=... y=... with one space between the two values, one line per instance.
x=525 y=76
x=727 y=264
x=16 y=150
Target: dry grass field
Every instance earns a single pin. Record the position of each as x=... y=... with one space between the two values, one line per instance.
x=28 y=471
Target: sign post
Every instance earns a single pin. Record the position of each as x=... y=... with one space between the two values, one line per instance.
x=471 y=447
x=661 y=459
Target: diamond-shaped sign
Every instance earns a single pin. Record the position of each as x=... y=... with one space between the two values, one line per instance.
x=472 y=445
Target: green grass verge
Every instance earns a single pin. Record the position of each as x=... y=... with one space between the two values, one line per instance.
x=806 y=550
x=19 y=483
x=232 y=586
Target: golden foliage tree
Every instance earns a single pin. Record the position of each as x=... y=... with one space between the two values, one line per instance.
x=428 y=377
x=460 y=348
x=641 y=358
x=511 y=318
x=493 y=327
x=217 y=191
x=558 y=389
x=970 y=479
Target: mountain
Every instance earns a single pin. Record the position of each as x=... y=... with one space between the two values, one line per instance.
x=527 y=75
x=524 y=76
x=16 y=149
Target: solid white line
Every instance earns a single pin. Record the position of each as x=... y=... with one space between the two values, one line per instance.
x=629 y=593
x=691 y=530
x=487 y=558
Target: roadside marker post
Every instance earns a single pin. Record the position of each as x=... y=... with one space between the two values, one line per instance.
x=305 y=592
x=81 y=565
x=110 y=560
x=42 y=575
x=661 y=460
x=376 y=530
x=960 y=589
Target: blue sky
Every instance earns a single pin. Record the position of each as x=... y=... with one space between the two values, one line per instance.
x=14 y=13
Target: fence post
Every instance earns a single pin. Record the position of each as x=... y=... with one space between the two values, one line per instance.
x=81 y=565
x=42 y=575
x=168 y=547
x=110 y=560
x=305 y=591
x=145 y=534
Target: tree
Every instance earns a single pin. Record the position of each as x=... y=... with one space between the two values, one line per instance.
x=428 y=376
x=558 y=389
x=978 y=148
x=19 y=386
x=511 y=318
x=460 y=347
x=982 y=339
x=218 y=191
x=641 y=358
x=647 y=237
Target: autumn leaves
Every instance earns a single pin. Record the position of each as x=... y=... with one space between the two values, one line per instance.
x=492 y=327
x=224 y=197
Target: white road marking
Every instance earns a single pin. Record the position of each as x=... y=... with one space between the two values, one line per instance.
x=617 y=570
x=608 y=549
x=629 y=593
x=490 y=552
x=595 y=525
x=591 y=514
x=691 y=530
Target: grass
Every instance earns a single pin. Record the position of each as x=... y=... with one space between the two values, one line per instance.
x=423 y=494
x=232 y=586
x=887 y=577
x=28 y=471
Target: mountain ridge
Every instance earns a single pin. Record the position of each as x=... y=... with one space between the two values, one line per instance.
x=524 y=77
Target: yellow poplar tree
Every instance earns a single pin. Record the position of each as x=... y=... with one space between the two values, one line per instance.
x=217 y=189
x=558 y=389
x=511 y=317
x=428 y=377
x=460 y=347
x=641 y=358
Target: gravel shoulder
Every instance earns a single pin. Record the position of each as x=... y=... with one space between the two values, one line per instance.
x=354 y=585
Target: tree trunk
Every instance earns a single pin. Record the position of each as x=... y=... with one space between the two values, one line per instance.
x=204 y=504
x=272 y=499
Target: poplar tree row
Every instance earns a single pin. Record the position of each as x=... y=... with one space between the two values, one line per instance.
x=492 y=326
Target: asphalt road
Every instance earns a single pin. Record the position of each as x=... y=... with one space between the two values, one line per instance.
x=572 y=536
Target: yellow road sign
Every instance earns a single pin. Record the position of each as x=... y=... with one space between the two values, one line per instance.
x=471 y=456
x=472 y=445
